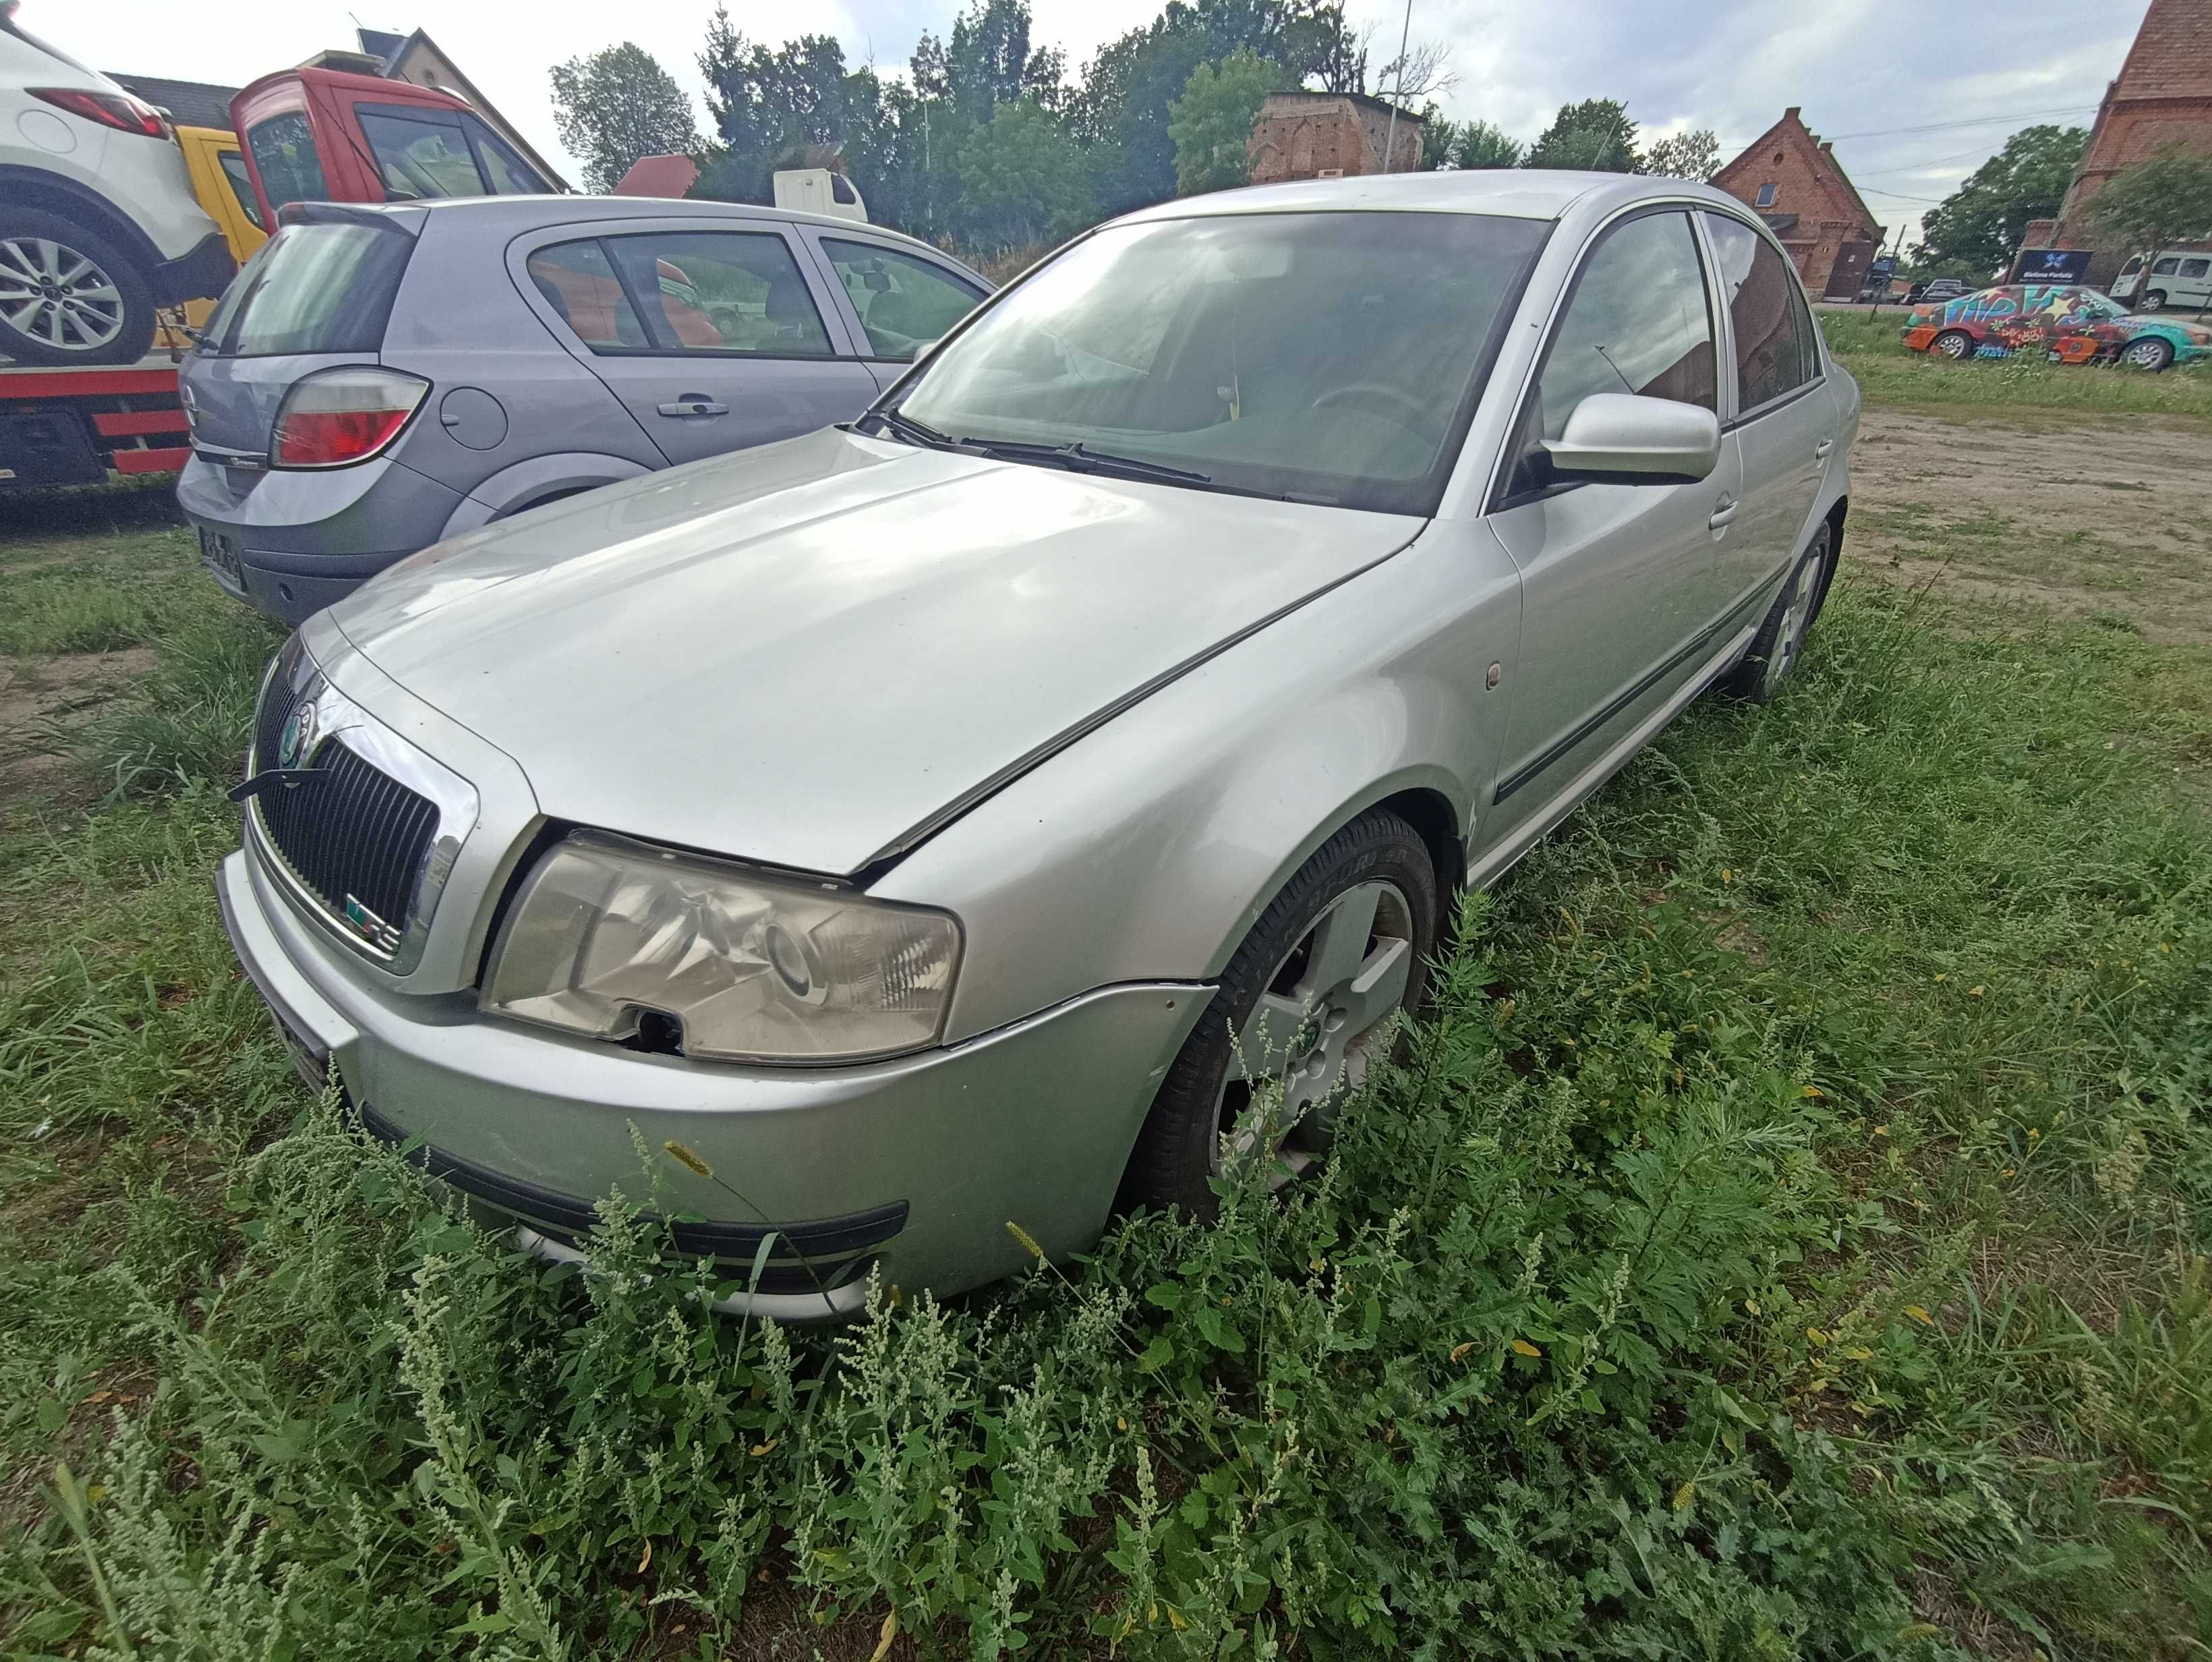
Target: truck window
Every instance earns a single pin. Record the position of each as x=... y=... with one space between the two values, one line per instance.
x=234 y=171
x=504 y=173
x=284 y=155
x=420 y=157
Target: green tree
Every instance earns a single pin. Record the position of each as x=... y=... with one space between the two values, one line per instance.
x=1212 y=122
x=1466 y=143
x=1595 y=134
x=2158 y=203
x=1978 y=227
x=1023 y=180
x=615 y=105
x=1693 y=154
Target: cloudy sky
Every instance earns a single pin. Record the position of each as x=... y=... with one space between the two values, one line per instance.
x=1915 y=95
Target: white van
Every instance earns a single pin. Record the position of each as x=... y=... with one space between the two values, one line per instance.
x=819 y=190
x=2179 y=280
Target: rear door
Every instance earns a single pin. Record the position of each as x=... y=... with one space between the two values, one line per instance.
x=897 y=301
x=1617 y=579
x=712 y=333
x=1784 y=421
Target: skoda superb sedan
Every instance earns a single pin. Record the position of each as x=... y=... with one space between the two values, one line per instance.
x=1052 y=785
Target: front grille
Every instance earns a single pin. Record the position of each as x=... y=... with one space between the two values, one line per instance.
x=352 y=834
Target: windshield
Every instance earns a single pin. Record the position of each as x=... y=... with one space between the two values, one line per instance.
x=1328 y=357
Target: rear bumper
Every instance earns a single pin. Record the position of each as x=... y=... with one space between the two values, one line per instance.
x=200 y=274
x=916 y=1165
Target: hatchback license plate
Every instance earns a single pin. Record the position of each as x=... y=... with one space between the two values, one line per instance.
x=221 y=553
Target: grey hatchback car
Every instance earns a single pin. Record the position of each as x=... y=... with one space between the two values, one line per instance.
x=381 y=378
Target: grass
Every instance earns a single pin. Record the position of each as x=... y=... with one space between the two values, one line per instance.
x=1786 y=1236
x=1871 y=346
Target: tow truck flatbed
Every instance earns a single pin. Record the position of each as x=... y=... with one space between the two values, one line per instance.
x=84 y=425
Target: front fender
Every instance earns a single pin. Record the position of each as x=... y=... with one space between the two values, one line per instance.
x=1146 y=851
x=536 y=480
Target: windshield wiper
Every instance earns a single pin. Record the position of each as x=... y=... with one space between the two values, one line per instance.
x=922 y=433
x=1079 y=458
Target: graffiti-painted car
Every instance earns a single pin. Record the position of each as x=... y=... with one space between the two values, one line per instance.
x=2064 y=321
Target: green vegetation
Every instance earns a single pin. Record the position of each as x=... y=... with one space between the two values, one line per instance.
x=1786 y=1235
x=618 y=105
x=1871 y=345
x=1978 y=228
x=1212 y=122
x=2161 y=201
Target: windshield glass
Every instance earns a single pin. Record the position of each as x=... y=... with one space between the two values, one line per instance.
x=1328 y=357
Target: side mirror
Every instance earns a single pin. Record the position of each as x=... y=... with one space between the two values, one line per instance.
x=1620 y=438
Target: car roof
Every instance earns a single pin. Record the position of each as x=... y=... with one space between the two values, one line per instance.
x=1513 y=192
x=525 y=213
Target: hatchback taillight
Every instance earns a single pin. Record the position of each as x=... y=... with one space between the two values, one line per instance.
x=343 y=416
x=117 y=110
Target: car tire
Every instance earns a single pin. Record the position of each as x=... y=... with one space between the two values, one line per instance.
x=46 y=262
x=1774 y=651
x=1955 y=344
x=1372 y=887
x=2153 y=302
x=2150 y=354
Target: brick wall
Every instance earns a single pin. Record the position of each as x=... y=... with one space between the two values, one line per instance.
x=1304 y=134
x=2163 y=96
x=1809 y=189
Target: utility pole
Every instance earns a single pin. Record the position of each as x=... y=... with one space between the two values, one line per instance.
x=1390 y=141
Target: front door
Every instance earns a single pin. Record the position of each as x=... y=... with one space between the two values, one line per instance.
x=1785 y=420
x=713 y=338
x=1618 y=580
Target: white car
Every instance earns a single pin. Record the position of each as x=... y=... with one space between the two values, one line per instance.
x=2178 y=280
x=98 y=223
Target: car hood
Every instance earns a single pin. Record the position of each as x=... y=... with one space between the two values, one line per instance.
x=813 y=653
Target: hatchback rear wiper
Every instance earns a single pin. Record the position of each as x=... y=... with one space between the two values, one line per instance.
x=1081 y=459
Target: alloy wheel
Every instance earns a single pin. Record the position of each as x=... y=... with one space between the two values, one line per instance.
x=2146 y=354
x=1327 y=1006
x=1954 y=345
x=54 y=295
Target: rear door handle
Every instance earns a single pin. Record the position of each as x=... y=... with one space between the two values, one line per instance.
x=1723 y=511
x=1821 y=450
x=694 y=404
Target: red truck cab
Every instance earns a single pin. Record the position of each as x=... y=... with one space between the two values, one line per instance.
x=316 y=135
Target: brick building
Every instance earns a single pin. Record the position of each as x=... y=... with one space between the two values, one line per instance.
x=2163 y=96
x=1792 y=178
x=1313 y=135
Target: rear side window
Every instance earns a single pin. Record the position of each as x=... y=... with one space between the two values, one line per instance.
x=580 y=283
x=2195 y=268
x=284 y=155
x=418 y=158
x=721 y=291
x=311 y=288
x=1774 y=352
x=904 y=302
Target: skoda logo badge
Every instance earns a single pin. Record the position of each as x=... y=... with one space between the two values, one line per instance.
x=298 y=737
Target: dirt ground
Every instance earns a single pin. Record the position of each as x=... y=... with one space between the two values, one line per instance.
x=41 y=699
x=2106 y=514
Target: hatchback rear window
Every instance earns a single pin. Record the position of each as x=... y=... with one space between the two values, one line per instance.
x=311 y=288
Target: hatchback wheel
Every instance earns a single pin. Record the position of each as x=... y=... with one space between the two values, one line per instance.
x=1307 y=1004
x=1955 y=344
x=2149 y=353
x=68 y=295
x=1781 y=639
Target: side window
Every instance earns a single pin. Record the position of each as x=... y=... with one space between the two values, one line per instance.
x=2195 y=268
x=579 y=282
x=904 y=302
x=721 y=291
x=241 y=188
x=284 y=155
x=419 y=159
x=507 y=173
x=1774 y=352
x=2164 y=267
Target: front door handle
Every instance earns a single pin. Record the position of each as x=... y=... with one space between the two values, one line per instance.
x=1821 y=450
x=1723 y=511
x=694 y=404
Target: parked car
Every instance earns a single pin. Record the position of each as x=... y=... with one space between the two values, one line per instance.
x=381 y=377
x=2178 y=280
x=1050 y=787
x=98 y=224
x=2044 y=318
x=1933 y=288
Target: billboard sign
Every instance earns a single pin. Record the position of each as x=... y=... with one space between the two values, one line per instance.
x=2051 y=266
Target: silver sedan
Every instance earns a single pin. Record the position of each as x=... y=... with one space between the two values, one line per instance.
x=1052 y=786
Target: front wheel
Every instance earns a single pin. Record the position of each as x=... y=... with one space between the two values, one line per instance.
x=68 y=296
x=1955 y=344
x=2150 y=353
x=1309 y=999
x=1775 y=649
x=2153 y=302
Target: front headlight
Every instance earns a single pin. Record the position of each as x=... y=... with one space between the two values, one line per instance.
x=607 y=932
